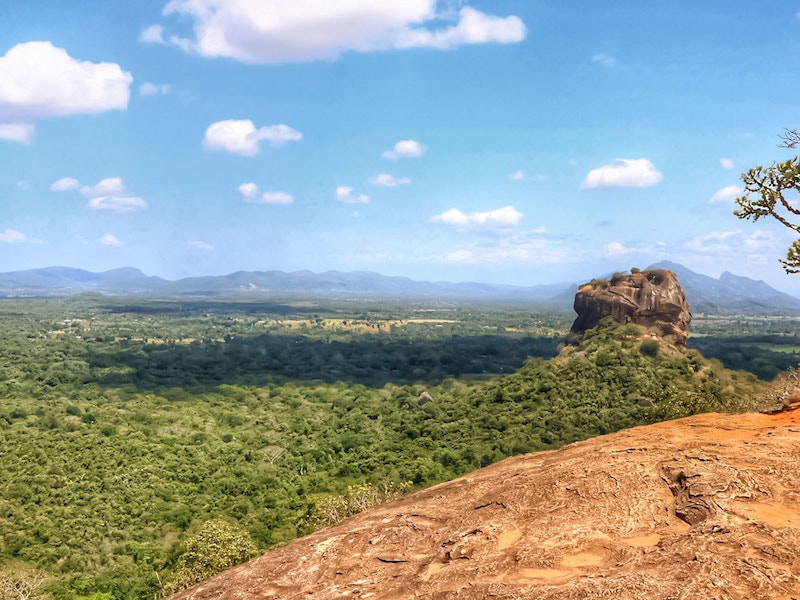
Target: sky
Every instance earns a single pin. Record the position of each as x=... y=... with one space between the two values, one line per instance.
x=503 y=141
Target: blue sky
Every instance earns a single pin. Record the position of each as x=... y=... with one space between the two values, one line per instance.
x=511 y=141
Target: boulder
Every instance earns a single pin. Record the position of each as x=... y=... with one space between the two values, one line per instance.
x=653 y=299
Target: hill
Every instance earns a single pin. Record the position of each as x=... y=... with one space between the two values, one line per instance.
x=702 y=507
x=730 y=294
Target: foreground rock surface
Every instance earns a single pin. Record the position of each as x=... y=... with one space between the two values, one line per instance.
x=648 y=298
x=702 y=507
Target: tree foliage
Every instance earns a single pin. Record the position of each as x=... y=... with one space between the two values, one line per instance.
x=219 y=545
x=772 y=192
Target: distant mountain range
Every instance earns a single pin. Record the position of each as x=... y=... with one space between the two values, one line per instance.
x=730 y=294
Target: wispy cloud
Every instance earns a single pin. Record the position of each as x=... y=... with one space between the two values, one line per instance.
x=388 y=180
x=12 y=236
x=726 y=163
x=344 y=193
x=106 y=194
x=605 y=60
x=251 y=194
x=149 y=88
x=726 y=195
x=109 y=239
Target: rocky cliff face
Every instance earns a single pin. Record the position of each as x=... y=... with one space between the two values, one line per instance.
x=648 y=298
x=703 y=507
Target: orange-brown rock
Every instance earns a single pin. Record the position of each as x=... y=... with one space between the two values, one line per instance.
x=648 y=298
x=702 y=507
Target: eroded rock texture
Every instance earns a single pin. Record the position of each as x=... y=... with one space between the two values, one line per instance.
x=649 y=298
x=703 y=507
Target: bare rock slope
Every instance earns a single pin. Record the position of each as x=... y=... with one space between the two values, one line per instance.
x=702 y=507
x=649 y=298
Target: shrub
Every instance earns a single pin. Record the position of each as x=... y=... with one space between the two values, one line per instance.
x=649 y=348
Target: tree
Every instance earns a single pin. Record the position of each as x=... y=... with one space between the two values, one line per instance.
x=218 y=546
x=20 y=583
x=771 y=189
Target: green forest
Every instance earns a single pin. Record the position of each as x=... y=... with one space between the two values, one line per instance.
x=136 y=434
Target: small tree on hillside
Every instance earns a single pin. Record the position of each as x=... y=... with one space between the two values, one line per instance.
x=769 y=192
x=218 y=546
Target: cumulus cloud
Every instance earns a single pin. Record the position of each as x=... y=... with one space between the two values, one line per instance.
x=64 y=184
x=388 y=180
x=344 y=193
x=251 y=194
x=726 y=163
x=241 y=136
x=604 y=60
x=199 y=245
x=108 y=239
x=12 y=236
x=405 y=149
x=149 y=88
x=38 y=80
x=274 y=31
x=248 y=190
x=106 y=194
x=726 y=195
x=107 y=186
x=623 y=172
x=500 y=218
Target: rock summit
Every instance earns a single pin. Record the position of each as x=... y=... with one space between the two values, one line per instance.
x=653 y=299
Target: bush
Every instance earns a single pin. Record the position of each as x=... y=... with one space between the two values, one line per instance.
x=649 y=348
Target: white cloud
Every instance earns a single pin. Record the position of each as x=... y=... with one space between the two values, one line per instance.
x=23 y=185
x=64 y=184
x=500 y=218
x=248 y=190
x=405 y=149
x=106 y=194
x=152 y=35
x=38 y=80
x=517 y=176
x=344 y=193
x=275 y=198
x=149 y=88
x=251 y=194
x=12 y=236
x=605 y=60
x=623 y=172
x=16 y=132
x=473 y=27
x=726 y=195
x=107 y=186
x=756 y=247
x=241 y=136
x=726 y=163
x=199 y=245
x=117 y=203
x=617 y=249
x=108 y=239
x=275 y=31
x=388 y=180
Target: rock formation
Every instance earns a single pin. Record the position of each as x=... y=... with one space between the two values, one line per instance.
x=648 y=298
x=703 y=507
